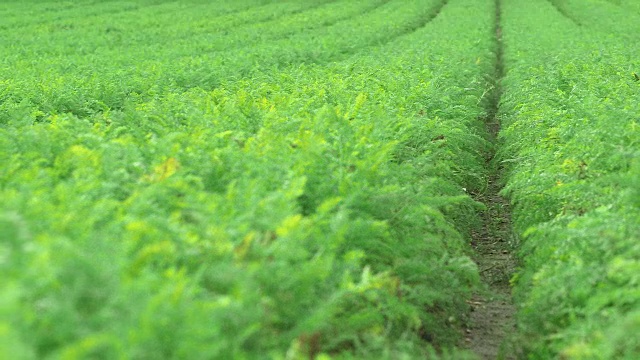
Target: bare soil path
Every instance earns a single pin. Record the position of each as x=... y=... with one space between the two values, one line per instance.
x=491 y=321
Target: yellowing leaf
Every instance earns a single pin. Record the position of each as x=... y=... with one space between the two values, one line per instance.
x=164 y=170
x=288 y=225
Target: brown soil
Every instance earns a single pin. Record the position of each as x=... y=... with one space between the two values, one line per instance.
x=491 y=321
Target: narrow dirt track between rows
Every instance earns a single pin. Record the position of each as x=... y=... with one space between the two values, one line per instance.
x=560 y=8
x=491 y=320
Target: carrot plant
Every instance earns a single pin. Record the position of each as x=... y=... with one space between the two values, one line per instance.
x=299 y=197
x=570 y=143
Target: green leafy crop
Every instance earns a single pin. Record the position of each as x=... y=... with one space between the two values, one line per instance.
x=571 y=142
x=240 y=179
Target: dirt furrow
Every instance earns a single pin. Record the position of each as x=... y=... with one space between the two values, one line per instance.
x=560 y=8
x=491 y=320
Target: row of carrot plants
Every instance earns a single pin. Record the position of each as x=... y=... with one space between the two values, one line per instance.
x=60 y=66
x=314 y=206
x=570 y=145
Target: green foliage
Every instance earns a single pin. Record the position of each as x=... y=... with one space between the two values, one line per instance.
x=250 y=179
x=571 y=142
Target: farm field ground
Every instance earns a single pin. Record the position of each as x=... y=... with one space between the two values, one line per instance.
x=317 y=179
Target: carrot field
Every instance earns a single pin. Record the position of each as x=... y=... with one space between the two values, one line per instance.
x=320 y=179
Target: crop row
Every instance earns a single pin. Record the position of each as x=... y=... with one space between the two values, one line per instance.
x=314 y=202
x=65 y=80
x=570 y=145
